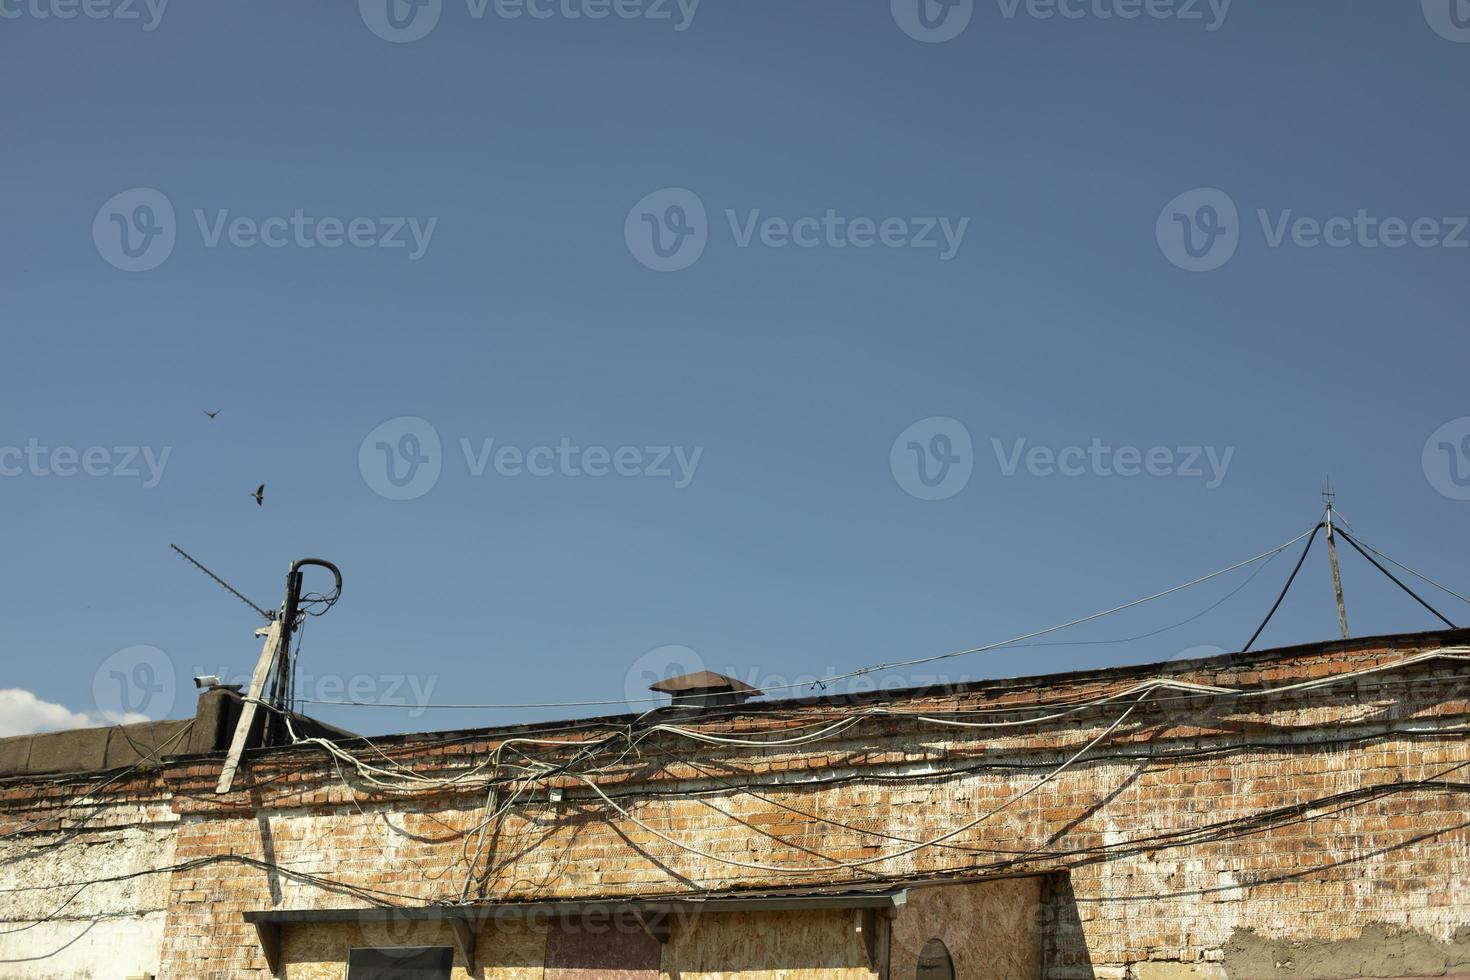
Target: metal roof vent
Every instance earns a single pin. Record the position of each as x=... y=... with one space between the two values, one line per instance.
x=705 y=689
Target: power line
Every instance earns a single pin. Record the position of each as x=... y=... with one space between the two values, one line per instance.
x=824 y=681
x=1418 y=575
x=1284 y=589
x=1395 y=580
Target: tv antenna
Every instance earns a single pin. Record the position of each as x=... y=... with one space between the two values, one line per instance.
x=268 y=617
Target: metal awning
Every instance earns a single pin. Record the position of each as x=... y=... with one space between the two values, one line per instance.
x=653 y=915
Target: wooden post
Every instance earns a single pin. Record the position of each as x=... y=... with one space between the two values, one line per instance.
x=1332 y=559
x=268 y=656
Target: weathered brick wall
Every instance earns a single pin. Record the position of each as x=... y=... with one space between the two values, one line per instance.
x=1202 y=834
x=51 y=926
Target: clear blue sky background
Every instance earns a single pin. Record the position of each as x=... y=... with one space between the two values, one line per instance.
x=794 y=551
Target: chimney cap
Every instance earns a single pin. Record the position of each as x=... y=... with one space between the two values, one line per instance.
x=703 y=680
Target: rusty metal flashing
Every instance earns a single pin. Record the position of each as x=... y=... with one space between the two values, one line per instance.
x=886 y=899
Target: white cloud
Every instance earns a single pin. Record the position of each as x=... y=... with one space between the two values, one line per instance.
x=22 y=713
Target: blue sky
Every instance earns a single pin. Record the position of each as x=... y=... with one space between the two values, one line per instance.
x=1066 y=155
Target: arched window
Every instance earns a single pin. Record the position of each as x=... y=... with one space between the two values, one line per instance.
x=934 y=962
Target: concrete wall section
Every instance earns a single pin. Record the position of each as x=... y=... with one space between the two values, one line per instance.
x=991 y=930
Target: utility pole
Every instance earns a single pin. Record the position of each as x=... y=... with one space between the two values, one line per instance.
x=1329 y=495
x=275 y=658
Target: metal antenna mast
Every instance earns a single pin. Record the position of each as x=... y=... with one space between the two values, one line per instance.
x=268 y=617
x=1330 y=495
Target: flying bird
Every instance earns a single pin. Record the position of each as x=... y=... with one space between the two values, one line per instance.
x=213 y=413
x=259 y=495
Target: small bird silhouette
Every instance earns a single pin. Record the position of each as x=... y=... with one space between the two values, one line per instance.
x=213 y=413
x=259 y=495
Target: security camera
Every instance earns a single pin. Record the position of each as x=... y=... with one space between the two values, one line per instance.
x=208 y=681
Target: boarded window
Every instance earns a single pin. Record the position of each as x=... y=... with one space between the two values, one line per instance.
x=403 y=963
x=934 y=962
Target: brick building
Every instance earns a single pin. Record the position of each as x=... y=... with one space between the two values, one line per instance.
x=1298 y=812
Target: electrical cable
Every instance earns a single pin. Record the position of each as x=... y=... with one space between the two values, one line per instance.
x=862 y=671
x=1419 y=575
x=1395 y=580
x=402 y=779
x=789 y=869
x=1284 y=589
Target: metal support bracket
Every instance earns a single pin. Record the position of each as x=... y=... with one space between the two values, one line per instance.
x=270 y=945
x=464 y=941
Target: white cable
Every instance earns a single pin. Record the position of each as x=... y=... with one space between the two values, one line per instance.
x=823 y=681
x=817 y=736
x=1421 y=575
x=419 y=782
x=788 y=869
